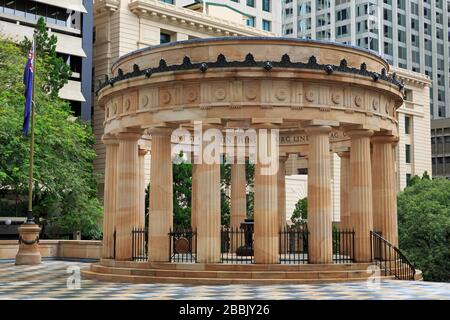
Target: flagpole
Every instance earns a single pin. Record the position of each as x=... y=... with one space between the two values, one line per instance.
x=30 y=219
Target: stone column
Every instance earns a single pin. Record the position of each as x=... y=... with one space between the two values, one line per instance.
x=360 y=190
x=344 y=195
x=161 y=196
x=320 y=240
x=127 y=193
x=194 y=192
x=238 y=196
x=208 y=212
x=110 y=196
x=266 y=228
x=384 y=188
x=282 y=192
x=142 y=187
x=282 y=203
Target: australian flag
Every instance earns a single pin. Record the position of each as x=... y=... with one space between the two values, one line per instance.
x=28 y=78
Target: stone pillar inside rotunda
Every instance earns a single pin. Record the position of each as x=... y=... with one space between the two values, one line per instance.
x=319 y=195
x=128 y=193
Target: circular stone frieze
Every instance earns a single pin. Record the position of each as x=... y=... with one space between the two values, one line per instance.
x=281 y=94
x=251 y=93
x=310 y=95
x=127 y=105
x=220 y=94
x=375 y=104
x=165 y=97
x=144 y=101
x=358 y=101
x=336 y=97
x=182 y=245
x=192 y=95
x=241 y=92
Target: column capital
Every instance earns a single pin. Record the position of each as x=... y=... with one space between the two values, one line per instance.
x=109 y=139
x=266 y=123
x=143 y=152
x=385 y=138
x=317 y=130
x=132 y=135
x=359 y=133
x=344 y=154
x=163 y=131
x=211 y=125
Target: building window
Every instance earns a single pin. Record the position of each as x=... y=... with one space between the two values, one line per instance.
x=266 y=25
x=164 y=38
x=266 y=5
x=408 y=153
x=302 y=171
x=408 y=179
x=31 y=10
x=343 y=14
x=408 y=95
x=168 y=1
x=407 y=124
x=342 y=31
x=289 y=30
x=251 y=3
x=251 y=21
x=322 y=4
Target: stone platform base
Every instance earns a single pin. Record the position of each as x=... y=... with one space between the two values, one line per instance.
x=224 y=274
x=28 y=253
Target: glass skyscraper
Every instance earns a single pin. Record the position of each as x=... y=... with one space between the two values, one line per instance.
x=410 y=34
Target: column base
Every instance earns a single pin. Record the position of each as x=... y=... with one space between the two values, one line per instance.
x=28 y=253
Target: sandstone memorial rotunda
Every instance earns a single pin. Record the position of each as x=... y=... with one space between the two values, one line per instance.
x=319 y=98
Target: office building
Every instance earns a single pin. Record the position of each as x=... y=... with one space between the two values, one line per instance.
x=71 y=22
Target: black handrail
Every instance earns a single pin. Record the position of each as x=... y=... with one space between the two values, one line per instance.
x=390 y=259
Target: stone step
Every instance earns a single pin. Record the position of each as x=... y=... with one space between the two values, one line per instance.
x=225 y=274
x=87 y=274
x=234 y=267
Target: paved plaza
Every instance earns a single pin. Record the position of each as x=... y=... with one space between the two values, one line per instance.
x=50 y=281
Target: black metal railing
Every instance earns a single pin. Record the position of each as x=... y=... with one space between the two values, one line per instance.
x=343 y=245
x=139 y=246
x=183 y=245
x=390 y=259
x=294 y=244
x=236 y=245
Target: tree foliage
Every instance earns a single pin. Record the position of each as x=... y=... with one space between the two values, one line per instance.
x=65 y=190
x=300 y=214
x=56 y=70
x=182 y=194
x=424 y=226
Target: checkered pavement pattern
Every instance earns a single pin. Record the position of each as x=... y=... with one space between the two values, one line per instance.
x=50 y=281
